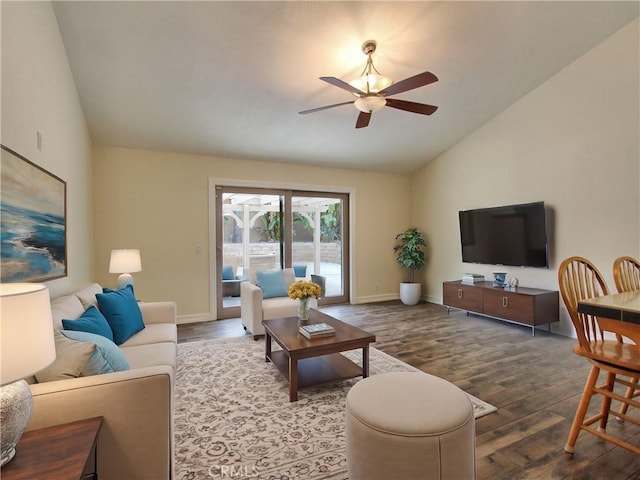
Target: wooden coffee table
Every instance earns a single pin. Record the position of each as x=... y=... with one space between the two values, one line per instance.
x=305 y=363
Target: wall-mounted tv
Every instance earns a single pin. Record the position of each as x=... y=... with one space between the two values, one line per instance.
x=513 y=235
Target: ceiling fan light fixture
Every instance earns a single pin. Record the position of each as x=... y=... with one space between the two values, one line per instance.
x=371 y=90
x=371 y=82
x=370 y=104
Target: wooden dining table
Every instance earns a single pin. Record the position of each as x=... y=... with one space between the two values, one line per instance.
x=617 y=306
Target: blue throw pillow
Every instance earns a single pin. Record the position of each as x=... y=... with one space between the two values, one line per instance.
x=121 y=310
x=91 y=321
x=300 y=270
x=227 y=272
x=106 y=358
x=271 y=283
x=129 y=286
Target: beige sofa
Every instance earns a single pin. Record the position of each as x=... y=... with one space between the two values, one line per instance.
x=136 y=439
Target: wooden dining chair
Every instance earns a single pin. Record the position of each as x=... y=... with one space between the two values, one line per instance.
x=626 y=274
x=619 y=360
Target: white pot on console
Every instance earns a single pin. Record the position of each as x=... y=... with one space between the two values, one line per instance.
x=410 y=293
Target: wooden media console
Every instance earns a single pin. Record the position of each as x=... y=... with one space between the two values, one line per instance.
x=522 y=305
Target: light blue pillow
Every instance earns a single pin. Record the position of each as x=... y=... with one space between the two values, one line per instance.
x=227 y=272
x=272 y=283
x=91 y=321
x=121 y=310
x=300 y=270
x=106 y=358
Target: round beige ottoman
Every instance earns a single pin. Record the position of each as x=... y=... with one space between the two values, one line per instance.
x=409 y=425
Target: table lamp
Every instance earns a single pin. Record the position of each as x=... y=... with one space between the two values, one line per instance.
x=125 y=262
x=26 y=346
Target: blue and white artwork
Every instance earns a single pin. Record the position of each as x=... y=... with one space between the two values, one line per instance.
x=32 y=221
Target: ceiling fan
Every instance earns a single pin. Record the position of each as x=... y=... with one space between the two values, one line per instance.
x=372 y=89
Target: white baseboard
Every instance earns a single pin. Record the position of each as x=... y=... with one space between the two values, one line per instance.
x=195 y=318
x=375 y=298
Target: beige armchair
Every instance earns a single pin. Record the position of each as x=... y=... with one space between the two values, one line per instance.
x=254 y=308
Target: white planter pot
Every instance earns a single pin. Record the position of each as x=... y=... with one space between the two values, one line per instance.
x=410 y=293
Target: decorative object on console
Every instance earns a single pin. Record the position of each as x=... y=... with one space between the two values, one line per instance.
x=472 y=278
x=303 y=290
x=499 y=279
x=26 y=346
x=33 y=221
x=409 y=254
x=125 y=262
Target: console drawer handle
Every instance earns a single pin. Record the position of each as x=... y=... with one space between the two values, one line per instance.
x=505 y=302
x=459 y=293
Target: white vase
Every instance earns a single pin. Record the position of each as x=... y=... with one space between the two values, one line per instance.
x=410 y=293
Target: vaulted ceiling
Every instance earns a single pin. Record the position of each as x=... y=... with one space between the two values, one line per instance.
x=229 y=78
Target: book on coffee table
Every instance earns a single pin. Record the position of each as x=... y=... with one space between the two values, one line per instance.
x=317 y=330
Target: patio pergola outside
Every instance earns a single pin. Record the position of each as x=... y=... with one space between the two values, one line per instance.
x=246 y=209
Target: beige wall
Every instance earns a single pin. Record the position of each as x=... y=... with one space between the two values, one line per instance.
x=573 y=143
x=38 y=94
x=159 y=203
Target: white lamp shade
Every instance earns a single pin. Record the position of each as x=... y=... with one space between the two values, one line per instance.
x=125 y=261
x=26 y=338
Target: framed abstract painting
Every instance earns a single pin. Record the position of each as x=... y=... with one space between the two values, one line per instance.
x=33 y=216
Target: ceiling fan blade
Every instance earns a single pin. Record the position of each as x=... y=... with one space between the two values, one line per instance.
x=413 y=107
x=363 y=119
x=420 y=80
x=324 y=108
x=342 y=84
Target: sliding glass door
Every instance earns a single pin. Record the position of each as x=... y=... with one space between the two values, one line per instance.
x=318 y=238
x=266 y=229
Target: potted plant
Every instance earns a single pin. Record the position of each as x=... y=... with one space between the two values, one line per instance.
x=410 y=255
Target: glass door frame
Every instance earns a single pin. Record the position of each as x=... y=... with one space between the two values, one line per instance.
x=219 y=186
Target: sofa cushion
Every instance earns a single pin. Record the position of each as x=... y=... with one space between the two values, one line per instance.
x=71 y=357
x=121 y=310
x=87 y=295
x=106 y=358
x=279 y=308
x=68 y=306
x=91 y=321
x=153 y=333
x=141 y=356
x=272 y=283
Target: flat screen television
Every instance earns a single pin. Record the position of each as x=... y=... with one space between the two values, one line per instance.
x=514 y=235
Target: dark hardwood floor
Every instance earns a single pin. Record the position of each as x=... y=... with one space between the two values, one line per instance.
x=535 y=382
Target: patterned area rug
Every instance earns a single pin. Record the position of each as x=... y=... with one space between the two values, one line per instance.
x=233 y=418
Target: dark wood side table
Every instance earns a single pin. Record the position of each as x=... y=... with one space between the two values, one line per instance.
x=60 y=452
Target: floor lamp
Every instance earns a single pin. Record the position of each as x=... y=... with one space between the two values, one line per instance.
x=26 y=346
